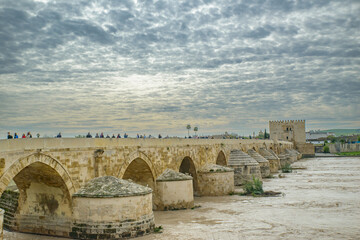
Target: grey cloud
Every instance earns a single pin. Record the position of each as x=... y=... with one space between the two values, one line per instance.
x=85 y=29
x=258 y=33
x=200 y=59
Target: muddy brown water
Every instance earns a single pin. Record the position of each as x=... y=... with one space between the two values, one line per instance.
x=321 y=201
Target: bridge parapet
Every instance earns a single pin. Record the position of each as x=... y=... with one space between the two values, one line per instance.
x=83 y=143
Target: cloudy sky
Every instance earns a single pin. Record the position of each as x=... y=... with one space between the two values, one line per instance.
x=152 y=66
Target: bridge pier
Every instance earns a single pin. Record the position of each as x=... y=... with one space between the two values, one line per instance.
x=215 y=180
x=174 y=191
x=273 y=159
x=112 y=208
x=245 y=167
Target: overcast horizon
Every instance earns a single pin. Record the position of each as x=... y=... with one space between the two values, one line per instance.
x=153 y=67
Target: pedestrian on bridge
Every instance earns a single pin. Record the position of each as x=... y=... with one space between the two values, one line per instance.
x=9 y=136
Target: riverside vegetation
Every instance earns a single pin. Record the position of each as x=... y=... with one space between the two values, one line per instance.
x=286 y=168
x=255 y=188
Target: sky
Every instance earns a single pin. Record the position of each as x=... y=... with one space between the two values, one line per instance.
x=153 y=67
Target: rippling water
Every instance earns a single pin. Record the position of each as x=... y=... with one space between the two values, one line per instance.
x=319 y=202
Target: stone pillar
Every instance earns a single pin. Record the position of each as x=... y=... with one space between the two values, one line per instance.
x=111 y=208
x=1 y=223
x=174 y=190
x=215 y=180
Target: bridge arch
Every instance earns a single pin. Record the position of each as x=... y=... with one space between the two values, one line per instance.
x=24 y=162
x=221 y=159
x=45 y=190
x=139 y=169
x=188 y=166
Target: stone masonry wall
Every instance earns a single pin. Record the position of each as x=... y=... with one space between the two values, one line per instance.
x=112 y=218
x=84 y=159
x=243 y=174
x=346 y=147
x=216 y=183
x=9 y=202
x=1 y=223
x=77 y=161
x=289 y=130
x=306 y=149
x=113 y=230
x=173 y=195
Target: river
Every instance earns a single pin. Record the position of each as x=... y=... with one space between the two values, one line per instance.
x=321 y=200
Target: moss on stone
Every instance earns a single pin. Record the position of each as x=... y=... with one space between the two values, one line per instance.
x=108 y=187
x=215 y=168
x=171 y=175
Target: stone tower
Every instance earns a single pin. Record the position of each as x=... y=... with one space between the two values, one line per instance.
x=288 y=130
x=292 y=131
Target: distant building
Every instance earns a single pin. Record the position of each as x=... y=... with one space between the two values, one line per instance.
x=226 y=135
x=315 y=135
x=292 y=131
x=288 y=130
x=261 y=134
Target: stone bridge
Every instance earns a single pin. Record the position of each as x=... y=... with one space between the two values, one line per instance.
x=48 y=172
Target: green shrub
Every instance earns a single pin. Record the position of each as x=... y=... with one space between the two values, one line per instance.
x=253 y=187
x=326 y=149
x=286 y=168
x=158 y=229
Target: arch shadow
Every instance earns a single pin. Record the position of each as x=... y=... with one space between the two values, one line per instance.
x=221 y=159
x=187 y=166
x=45 y=190
x=24 y=162
x=139 y=169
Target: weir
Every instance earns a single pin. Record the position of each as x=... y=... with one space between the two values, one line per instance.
x=49 y=173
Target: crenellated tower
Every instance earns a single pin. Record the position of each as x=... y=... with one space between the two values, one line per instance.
x=288 y=130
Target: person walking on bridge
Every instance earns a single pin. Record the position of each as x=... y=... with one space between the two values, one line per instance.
x=9 y=136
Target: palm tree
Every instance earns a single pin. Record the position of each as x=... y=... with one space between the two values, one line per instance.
x=188 y=127
x=195 y=130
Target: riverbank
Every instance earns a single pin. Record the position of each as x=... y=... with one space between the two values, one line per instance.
x=319 y=200
x=345 y=154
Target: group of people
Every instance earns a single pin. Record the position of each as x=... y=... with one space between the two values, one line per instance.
x=107 y=136
x=28 y=135
x=118 y=136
